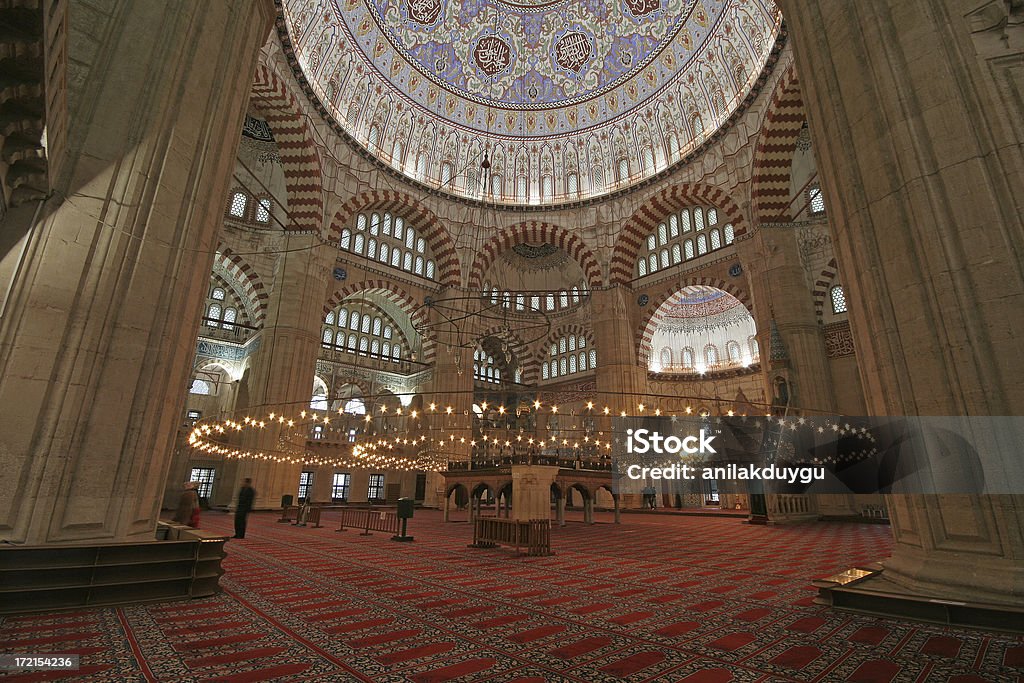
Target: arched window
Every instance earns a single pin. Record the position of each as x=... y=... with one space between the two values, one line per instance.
x=355 y=406
x=711 y=355
x=371 y=328
x=666 y=245
x=564 y=357
x=754 y=352
x=213 y=315
x=239 y=204
x=815 y=200
x=733 y=351
x=230 y=315
x=666 y=357
x=688 y=357
x=199 y=386
x=838 y=299
x=388 y=235
x=572 y=184
x=263 y=210
x=318 y=401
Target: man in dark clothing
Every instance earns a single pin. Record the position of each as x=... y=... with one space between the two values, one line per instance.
x=246 y=497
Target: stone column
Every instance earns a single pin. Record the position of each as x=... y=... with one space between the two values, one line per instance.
x=531 y=491
x=915 y=112
x=779 y=287
x=98 y=329
x=617 y=369
x=281 y=380
x=451 y=385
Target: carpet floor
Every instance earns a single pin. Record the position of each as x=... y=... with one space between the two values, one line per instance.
x=657 y=598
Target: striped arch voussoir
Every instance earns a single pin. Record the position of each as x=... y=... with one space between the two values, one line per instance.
x=654 y=211
x=562 y=331
x=246 y=277
x=423 y=220
x=298 y=154
x=773 y=156
x=822 y=287
x=518 y=347
x=400 y=298
x=536 y=232
x=649 y=322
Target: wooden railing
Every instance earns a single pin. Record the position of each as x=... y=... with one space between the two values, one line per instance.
x=369 y=520
x=304 y=515
x=534 y=534
x=790 y=504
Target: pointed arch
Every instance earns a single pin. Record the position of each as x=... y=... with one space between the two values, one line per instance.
x=822 y=288
x=773 y=156
x=256 y=296
x=563 y=331
x=518 y=347
x=298 y=153
x=652 y=314
x=442 y=245
x=653 y=211
x=396 y=295
x=535 y=232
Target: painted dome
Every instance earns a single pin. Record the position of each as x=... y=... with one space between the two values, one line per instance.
x=565 y=99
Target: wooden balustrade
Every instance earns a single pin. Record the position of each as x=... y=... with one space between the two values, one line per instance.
x=534 y=534
x=370 y=520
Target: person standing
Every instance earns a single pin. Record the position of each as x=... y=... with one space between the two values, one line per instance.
x=188 y=506
x=246 y=498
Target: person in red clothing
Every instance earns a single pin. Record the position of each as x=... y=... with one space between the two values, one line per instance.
x=188 y=506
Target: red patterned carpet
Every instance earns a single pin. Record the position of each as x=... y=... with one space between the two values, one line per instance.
x=657 y=598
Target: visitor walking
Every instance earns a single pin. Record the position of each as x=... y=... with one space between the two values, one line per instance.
x=246 y=498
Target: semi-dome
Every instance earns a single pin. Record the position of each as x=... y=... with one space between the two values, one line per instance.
x=530 y=101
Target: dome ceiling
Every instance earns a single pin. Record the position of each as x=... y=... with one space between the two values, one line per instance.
x=570 y=99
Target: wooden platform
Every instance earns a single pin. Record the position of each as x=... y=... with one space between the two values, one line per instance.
x=187 y=564
x=865 y=590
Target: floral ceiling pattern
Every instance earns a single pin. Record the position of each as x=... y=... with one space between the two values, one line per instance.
x=566 y=99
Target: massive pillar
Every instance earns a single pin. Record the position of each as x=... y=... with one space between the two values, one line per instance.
x=621 y=383
x=916 y=115
x=451 y=385
x=780 y=294
x=98 y=329
x=281 y=380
